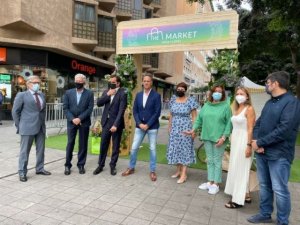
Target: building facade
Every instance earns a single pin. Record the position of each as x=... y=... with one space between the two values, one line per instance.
x=57 y=39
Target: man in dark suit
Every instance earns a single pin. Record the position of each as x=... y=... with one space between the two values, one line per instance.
x=29 y=116
x=146 y=112
x=114 y=101
x=78 y=107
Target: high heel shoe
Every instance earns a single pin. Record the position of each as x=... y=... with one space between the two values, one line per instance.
x=176 y=175
x=181 y=180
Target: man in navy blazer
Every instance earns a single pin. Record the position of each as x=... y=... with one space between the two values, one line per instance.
x=78 y=107
x=114 y=101
x=146 y=112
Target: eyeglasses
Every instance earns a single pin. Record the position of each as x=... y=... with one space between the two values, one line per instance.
x=180 y=89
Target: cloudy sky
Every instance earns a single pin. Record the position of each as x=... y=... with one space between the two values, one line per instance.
x=222 y=2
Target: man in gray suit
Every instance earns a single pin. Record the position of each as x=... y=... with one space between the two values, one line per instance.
x=29 y=111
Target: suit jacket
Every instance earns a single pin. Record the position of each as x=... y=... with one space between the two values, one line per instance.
x=83 y=110
x=27 y=117
x=113 y=114
x=150 y=113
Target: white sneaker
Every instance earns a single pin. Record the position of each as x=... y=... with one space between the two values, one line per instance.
x=213 y=189
x=205 y=186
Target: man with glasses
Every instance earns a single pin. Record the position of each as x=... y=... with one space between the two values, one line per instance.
x=114 y=101
x=274 y=138
x=29 y=116
x=146 y=112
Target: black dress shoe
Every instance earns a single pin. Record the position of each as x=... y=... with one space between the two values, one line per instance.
x=98 y=170
x=23 y=178
x=44 y=172
x=81 y=170
x=113 y=171
x=67 y=171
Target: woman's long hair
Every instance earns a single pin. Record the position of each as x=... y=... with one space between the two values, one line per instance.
x=235 y=104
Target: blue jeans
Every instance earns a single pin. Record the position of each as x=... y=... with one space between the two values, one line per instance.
x=273 y=176
x=139 y=135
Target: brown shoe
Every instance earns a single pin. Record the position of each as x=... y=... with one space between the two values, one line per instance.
x=153 y=176
x=128 y=172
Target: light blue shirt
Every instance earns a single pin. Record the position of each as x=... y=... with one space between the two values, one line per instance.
x=78 y=95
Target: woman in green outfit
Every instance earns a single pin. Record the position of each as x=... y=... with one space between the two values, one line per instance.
x=215 y=124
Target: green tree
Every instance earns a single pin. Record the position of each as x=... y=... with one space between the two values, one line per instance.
x=269 y=38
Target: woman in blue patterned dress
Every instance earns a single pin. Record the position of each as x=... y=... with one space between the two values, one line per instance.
x=181 y=147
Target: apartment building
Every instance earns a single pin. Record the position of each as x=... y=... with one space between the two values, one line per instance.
x=57 y=39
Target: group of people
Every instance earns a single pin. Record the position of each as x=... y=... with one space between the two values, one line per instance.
x=272 y=137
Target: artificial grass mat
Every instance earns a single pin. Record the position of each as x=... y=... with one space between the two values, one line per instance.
x=60 y=142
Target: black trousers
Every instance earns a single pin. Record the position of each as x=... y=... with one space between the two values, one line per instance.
x=105 y=141
x=83 y=143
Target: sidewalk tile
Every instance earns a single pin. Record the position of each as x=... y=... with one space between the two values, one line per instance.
x=167 y=220
x=80 y=219
x=112 y=217
x=25 y=216
x=144 y=215
x=43 y=220
x=135 y=221
x=121 y=209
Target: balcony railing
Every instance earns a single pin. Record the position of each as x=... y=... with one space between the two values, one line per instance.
x=85 y=30
x=151 y=59
x=106 y=39
x=123 y=6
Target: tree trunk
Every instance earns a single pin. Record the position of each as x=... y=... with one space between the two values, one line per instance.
x=296 y=66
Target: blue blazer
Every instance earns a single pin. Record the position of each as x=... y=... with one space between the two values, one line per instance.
x=113 y=113
x=150 y=114
x=83 y=110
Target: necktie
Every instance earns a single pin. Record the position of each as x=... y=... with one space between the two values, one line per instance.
x=38 y=103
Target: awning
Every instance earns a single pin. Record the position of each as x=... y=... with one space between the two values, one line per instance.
x=251 y=86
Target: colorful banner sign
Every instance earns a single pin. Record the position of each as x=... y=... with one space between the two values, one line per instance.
x=205 y=31
x=198 y=32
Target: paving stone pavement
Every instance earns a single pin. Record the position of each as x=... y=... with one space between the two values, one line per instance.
x=110 y=200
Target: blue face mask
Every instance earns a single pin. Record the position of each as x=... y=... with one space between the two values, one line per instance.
x=35 y=87
x=217 y=96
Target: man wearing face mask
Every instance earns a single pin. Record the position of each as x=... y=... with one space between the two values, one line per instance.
x=114 y=101
x=274 y=138
x=29 y=116
x=78 y=104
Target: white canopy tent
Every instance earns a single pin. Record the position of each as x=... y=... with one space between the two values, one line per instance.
x=258 y=94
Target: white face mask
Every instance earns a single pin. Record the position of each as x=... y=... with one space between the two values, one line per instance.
x=240 y=98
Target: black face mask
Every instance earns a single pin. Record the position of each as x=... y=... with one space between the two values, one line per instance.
x=180 y=93
x=112 y=86
x=79 y=85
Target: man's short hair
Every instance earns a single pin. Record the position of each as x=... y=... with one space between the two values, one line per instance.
x=148 y=75
x=282 y=77
x=115 y=76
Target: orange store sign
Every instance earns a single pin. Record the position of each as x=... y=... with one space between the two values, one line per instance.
x=2 y=54
x=82 y=67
